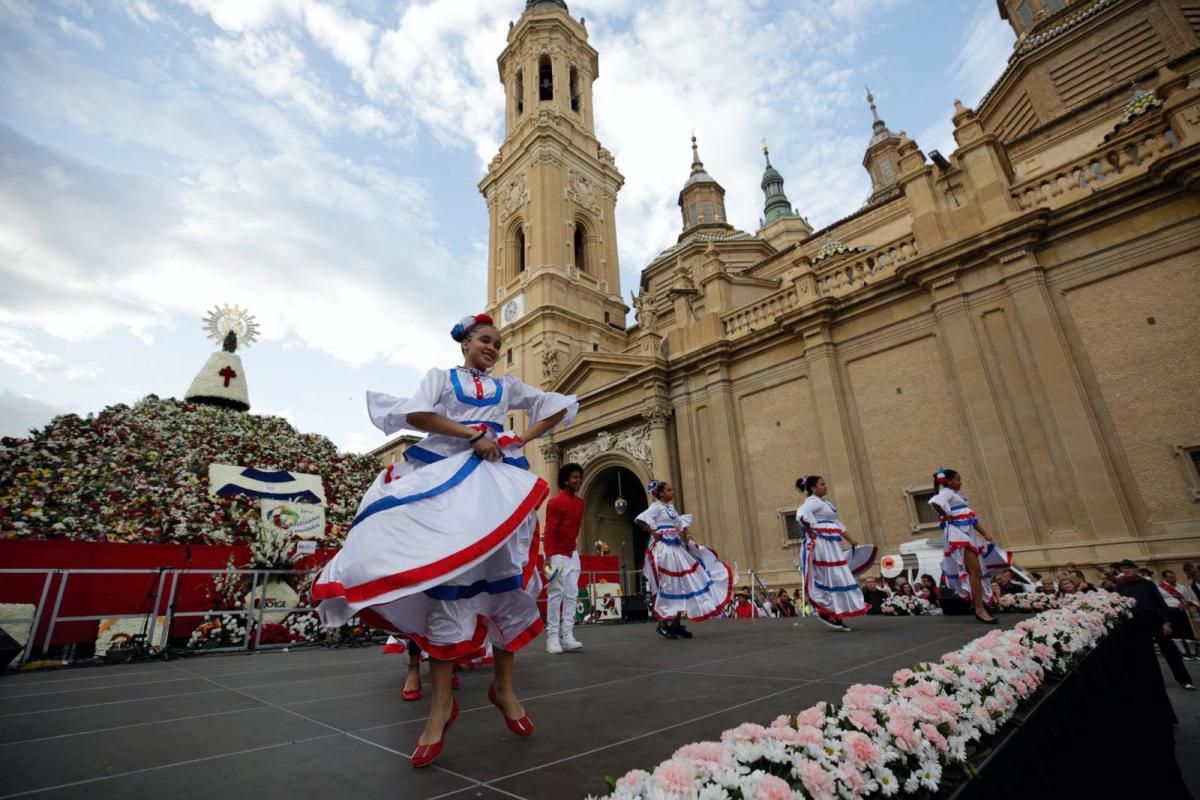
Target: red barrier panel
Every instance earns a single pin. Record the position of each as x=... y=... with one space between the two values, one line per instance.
x=93 y=595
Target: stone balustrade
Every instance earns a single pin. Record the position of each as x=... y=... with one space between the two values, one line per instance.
x=1072 y=181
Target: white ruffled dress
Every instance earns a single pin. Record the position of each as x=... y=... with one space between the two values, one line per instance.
x=829 y=582
x=439 y=548
x=683 y=576
x=958 y=536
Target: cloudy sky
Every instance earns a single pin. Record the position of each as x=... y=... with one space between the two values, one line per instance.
x=316 y=161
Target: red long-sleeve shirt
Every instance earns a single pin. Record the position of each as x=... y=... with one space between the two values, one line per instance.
x=564 y=512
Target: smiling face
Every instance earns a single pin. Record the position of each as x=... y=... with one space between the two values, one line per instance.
x=482 y=348
x=667 y=493
x=820 y=489
x=574 y=482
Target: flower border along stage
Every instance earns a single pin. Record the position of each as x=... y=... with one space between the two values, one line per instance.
x=905 y=739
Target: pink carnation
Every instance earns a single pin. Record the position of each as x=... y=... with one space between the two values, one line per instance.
x=860 y=750
x=814 y=716
x=818 y=782
x=902 y=676
x=770 y=787
x=782 y=721
x=935 y=736
x=746 y=732
x=632 y=779
x=706 y=752
x=674 y=776
x=864 y=720
x=808 y=735
x=905 y=734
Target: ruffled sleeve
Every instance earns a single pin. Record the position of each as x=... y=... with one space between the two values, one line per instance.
x=390 y=413
x=807 y=511
x=539 y=404
x=649 y=517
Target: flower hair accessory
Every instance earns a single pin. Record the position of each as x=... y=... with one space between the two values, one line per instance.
x=655 y=486
x=939 y=477
x=459 y=332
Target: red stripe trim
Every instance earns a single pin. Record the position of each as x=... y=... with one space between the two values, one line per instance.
x=526 y=636
x=952 y=546
x=866 y=565
x=440 y=652
x=830 y=563
x=395 y=649
x=808 y=579
x=723 y=601
x=695 y=566
x=365 y=591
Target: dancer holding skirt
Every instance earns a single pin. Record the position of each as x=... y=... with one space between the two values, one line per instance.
x=438 y=550
x=829 y=571
x=968 y=551
x=684 y=577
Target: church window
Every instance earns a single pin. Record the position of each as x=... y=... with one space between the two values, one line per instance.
x=576 y=102
x=607 y=318
x=886 y=173
x=708 y=211
x=508 y=356
x=545 y=79
x=720 y=211
x=579 y=244
x=1025 y=14
x=692 y=213
x=595 y=347
x=1052 y=6
x=519 y=249
x=519 y=92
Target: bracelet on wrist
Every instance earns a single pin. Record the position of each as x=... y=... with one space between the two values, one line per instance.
x=476 y=437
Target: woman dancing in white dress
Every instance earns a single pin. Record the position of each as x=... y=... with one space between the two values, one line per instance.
x=685 y=577
x=829 y=571
x=438 y=551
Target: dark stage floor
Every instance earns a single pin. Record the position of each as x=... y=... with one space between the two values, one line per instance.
x=330 y=723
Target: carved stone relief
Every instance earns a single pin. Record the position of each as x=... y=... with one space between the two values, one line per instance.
x=634 y=442
x=581 y=190
x=514 y=195
x=549 y=364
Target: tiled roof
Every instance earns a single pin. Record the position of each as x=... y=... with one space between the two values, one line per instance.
x=1034 y=42
x=1142 y=102
x=833 y=247
x=701 y=236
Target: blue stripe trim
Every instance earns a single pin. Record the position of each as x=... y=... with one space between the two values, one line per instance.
x=519 y=461
x=418 y=453
x=472 y=401
x=958 y=508
x=280 y=476
x=496 y=426
x=829 y=537
x=385 y=503
x=825 y=588
x=666 y=528
x=449 y=592
x=674 y=541
x=689 y=595
x=307 y=496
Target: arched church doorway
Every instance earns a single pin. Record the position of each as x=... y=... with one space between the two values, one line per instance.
x=603 y=521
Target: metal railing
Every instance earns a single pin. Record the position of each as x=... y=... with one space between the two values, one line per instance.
x=162 y=598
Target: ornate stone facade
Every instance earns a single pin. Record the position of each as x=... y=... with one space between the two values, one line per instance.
x=1021 y=309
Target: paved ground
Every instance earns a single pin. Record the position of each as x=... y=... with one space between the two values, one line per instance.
x=330 y=723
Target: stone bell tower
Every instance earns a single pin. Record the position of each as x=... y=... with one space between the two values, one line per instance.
x=554 y=282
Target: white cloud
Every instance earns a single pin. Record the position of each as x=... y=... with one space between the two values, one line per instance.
x=78 y=32
x=20 y=413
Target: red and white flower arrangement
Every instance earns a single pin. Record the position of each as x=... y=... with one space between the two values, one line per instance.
x=1027 y=602
x=899 y=605
x=883 y=741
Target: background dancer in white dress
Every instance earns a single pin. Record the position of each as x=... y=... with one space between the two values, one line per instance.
x=437 y=552
x=685 y=577
x=829 y=582
x=967 y=549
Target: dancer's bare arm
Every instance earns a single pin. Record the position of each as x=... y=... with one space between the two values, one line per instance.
x=429 y=422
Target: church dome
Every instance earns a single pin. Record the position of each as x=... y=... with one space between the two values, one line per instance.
x=541 y=4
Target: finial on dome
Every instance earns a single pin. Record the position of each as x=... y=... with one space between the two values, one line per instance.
x=766 y=152
x=871 y=102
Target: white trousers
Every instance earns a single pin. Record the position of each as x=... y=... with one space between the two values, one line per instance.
x=561 y=596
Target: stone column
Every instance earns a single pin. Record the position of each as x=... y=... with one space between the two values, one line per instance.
x=1085 y=471
x=1002 y=508
x=834 y=429
x=657 y=414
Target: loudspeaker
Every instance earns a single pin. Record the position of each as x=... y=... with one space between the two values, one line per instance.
x=10 y=648
x=633 y=608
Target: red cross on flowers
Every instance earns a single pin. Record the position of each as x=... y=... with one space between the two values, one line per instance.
x=228 y=374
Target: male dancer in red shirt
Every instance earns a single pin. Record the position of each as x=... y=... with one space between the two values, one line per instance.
x=564 y=513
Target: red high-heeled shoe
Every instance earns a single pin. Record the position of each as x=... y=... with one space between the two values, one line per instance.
x=426 y=754
x=522 y=726
x=411 y=694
